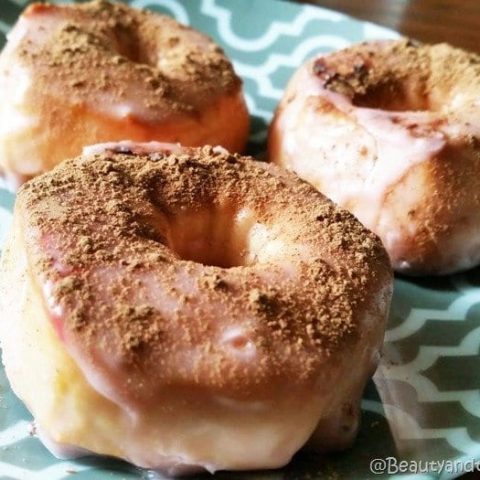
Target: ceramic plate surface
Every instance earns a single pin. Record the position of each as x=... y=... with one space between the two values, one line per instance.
x=424 y=403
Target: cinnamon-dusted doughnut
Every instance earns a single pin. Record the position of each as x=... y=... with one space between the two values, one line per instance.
x=390 y=131
x=213 y=311
x=73 y=75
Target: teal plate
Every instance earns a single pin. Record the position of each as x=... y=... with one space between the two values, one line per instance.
x=423 y=405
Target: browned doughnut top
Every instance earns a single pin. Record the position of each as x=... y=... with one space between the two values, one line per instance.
x=110 y=53
x=402 y=75
x=147 y=260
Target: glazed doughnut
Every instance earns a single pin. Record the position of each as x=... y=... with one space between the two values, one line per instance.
x=390 y=131
x=213 y=311
x=73 y=75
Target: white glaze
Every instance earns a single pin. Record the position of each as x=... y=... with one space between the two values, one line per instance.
x=37 y=29
x=177 y=437
x=236 y=432
x=45 y=119
x=357 y=156
x=237 y=341
x=395 y=150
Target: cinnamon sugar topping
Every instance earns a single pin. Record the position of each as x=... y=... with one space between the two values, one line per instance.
x=127 y=294
x=399 y=75
x=100 y=49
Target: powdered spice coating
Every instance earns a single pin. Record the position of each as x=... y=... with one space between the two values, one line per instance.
x=107 y=230
x=104 y=49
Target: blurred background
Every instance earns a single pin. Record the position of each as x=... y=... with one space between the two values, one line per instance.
x=453 y=21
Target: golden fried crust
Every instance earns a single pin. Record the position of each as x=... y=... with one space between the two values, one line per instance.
x=113 y=240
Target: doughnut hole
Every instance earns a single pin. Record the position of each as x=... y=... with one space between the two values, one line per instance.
x=396 y=96
x=131 y=44
x=223 y=236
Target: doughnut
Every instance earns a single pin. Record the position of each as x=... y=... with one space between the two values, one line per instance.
x=390 y=131
x=215 y=312
x=74 y=75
